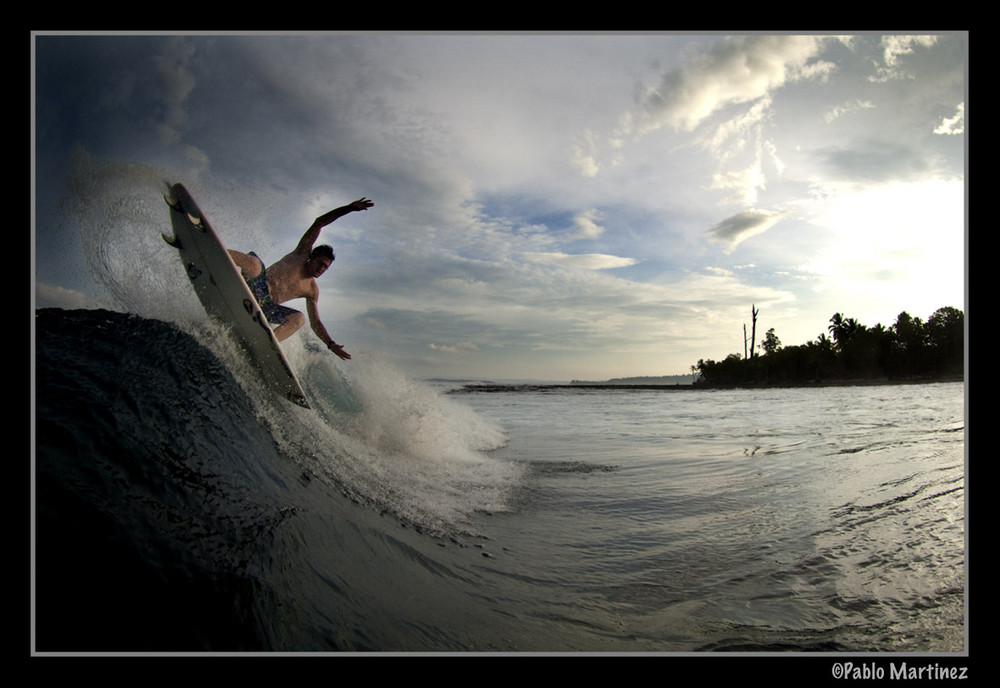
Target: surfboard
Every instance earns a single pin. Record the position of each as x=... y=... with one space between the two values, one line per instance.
x=225 y=295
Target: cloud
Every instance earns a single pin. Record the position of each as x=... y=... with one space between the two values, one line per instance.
x=734 y=230
x=51 y=296
x=177 y=82
x=893 y=49
x=953 y=125
x=735 y=79
x=737 y=70
x=586 y=228
x=584 y=154
x=847 y=108
x=461 y=347
x=744 y=182
x=874 y=160
x=741 y=150
x=583 y=261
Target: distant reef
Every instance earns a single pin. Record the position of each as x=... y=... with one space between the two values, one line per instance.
x=626 y=381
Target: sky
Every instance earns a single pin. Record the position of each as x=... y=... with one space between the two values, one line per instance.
x=547 y=206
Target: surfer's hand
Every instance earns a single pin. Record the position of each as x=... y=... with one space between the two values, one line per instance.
x=339 y=350
x=361 y=204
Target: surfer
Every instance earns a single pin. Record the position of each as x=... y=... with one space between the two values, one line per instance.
x=293 y=277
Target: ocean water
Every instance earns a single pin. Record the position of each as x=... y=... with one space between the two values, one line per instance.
x=180 y=507
x=795 y=519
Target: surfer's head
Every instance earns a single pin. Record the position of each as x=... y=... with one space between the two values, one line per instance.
x=322 y=250
x=320 y=258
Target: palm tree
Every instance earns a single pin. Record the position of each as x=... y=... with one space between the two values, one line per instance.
x=843 y=329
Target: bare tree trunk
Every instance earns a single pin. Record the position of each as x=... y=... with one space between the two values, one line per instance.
x=753 y=333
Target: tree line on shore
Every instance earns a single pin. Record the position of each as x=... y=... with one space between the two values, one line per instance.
x=910 y=349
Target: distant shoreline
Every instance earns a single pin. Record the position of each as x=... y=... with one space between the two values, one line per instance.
x=860 y=382
x=487 y=387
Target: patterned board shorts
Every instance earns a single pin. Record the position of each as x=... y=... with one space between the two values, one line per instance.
x=275 y=313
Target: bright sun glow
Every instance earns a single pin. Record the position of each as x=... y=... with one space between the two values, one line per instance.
x=899 y=246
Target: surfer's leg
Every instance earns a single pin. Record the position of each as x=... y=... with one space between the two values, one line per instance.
x=288 y=320
x=250 y=266
x=290 y=325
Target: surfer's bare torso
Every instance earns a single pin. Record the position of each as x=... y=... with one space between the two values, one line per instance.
x=294 y=276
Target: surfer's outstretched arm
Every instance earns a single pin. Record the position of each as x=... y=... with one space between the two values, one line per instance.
x=320 y=330
x=312 y=234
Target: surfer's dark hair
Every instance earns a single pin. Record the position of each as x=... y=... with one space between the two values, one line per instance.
x=323 y=250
